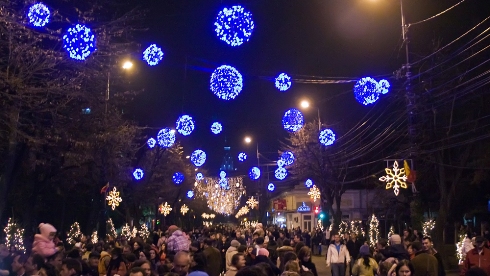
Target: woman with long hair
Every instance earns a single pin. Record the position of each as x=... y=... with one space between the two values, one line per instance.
x=365 y=265
x=305 y=262
x=117 y=264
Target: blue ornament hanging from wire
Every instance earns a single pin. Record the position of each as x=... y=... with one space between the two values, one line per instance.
x=283 y=82
x=222 y=174
x=151 y=143
x=166 y=137
x=198 y=158
x=327 y=137
x=308 y=183
x=234 y=25
x=242 y=156
x=79 y=42
x=271 y=187
x=366 y=91
x=38 y=15
x=153 y=55
x=226 y=82
x=254 y=173
x=185 y=125
x=178 y=177
x=288 y=158
x=281 y=173
x=293 y=120
x=384 y=86
x=190 y=194
x=138 y=174
x=216 y=128
x=199 y=176
x=280 y=163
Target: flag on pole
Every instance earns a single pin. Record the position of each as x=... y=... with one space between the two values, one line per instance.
x=411 y=174
x=104 y=189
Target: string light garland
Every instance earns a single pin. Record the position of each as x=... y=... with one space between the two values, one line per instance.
x=94 y=238
x=283 y=82
x=271 y=187
x=38 y=15
x=79 y=42
x=151 y=143
x=110 y=230
x=166 y=137
x=185 y=125
x=326 y=137
x=314 y=193
x=134 y=232
x=383 y=86
x=234 y=25
x=153 y=55
x=343 y=228
x=395 y=178
x=113 y=198
x=126 y=232
x=252 y=202
x=308 y=183
x=222 y=200
x=216 y=128
x=254 y=173
x=288 y=158
x=198 y=158
x=74 y=233
x=427 y=227
x=184 y=209
x=164 y=209
x=391 y=232
x=178 y=178
x=190 y=194
x=144 y=233
x=14 y=236
x=226 y=82
x=356 y=227
x=460 y=248
x=281 y=173
x=373 y=231
x=242 y=156
x=293 y=120
x=138 y=174
x=366 y=91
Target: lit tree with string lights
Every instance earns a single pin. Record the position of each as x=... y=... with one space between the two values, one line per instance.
x=14 y=236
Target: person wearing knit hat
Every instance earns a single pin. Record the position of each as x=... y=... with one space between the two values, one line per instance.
x=43 y=242
x=263 y=252
x=365 y=265
x=232 y=250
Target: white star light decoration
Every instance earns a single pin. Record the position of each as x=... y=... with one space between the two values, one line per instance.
x=395 y=178
x=165 y=209
x=113 y=198
x=184 y=209
x=252 y=202
x=243 y=211
x=314 y=193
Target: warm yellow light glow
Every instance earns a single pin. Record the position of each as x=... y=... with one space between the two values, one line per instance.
x=305 y=104
x=248 y=140
x=127 y=65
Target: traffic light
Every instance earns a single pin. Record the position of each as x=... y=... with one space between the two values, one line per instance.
x=322 y=215
x=317 y=210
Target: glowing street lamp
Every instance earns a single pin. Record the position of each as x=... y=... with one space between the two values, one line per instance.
x=248 y=140
x=305 y=104
x=127 y=65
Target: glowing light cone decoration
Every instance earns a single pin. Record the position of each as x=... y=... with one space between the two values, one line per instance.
x=395 y=178
x=373 y=231
x=314 y=193
x=113 y=198
x=14 y=236
x=184 y=209
x=144 y=232
x=126 y=232
x=94 y=238
x=110 y=230
x=252 y=202
x=164 y=209
x=74 y=233
x=427 y=227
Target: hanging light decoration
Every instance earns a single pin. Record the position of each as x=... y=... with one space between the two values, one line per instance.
x=165 y=209
x=185 y=125
x=113 y=198
x=234 y=25
x=38 y=15
x=166 y=137
x=226 y=82
x=216 y=128
x=190 y=194
x=366 y=91
x=252 y=202
x=271 y=187
x=138 y=174
x=283 y=82
x=153 y=55
x=384 y=86
x=308 y=183
x=327 y=137
x=254 y=173
x=199 y=176
x=280 y=173
x=222 y=200
x=288 y=158
x=79 y=42
x=151 y=143
x=184 y=209
x=198 y=158
x=178 y=177
x=242 y=156
x=293 y=120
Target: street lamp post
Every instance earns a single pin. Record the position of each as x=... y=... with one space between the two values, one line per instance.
x=127 y=65
x=306 y=104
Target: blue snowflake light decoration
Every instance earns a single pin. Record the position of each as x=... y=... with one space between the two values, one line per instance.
x=79 y=42
x=242 y=156
x=166 y=137
x=38 y=15
x=366 y=91
x=153 y=55
x=223 y=183
x=309 y=183
x=271 y=187
x=185 y=125
x=198 y=158
x=138 y=174
x=254 y=173
x=281 y=173
x=288 y=158
x=190 y=194
x=327 y=137
x=293 y=120
x=234 y=25
x=151 y=143
x=384 y=86
x=283 y=82
x=199 y=176
x=216 y=128
x=178 y=177
x=226 y=82
x=222 y=174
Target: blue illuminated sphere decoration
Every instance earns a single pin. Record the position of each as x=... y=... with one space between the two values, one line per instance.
x=234 y=25
x=280 y=163
x=226 y=82
x=308 y=183
x=254 y=173
x=366 y=91
x=216 y=128
x=271 y=187
x=190 y=194
x=327 y=137
x=166 y=137
x=199 y=176
x=293 y=120
x=79 y=42
x=178 y=177
x=223 y=182
x=242 y=156
x=198 y=158
x=288 y=158
x=281 y=173
x=38 y=15
x=222 y=174
x=384 y=86
x=153 y=55
x=151 y=143
x=138 y=174
x=185 y=125
x=283 y=82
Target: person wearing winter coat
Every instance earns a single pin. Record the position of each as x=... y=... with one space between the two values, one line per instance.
x=43 y=242
x=177 y=240
x=365 y=265
x=237 y=263
x=281 y=251
x=232 y=250
x=337 y=257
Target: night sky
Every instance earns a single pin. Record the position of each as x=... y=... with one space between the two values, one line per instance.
x=304 y=38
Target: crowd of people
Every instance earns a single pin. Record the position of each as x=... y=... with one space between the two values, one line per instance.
x=230 y=251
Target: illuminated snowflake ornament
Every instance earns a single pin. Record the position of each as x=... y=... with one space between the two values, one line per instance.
x=79 y=42
x=216 y=128
x=283 y=82
x=178 y=178
x=314 y=193
x=164 y=209
x=383 y=86
x=184 y=209
x=308 y=183
x=281 y=173
x=226 y=82
x=366 y=91
x=138 y=174
x=153 y=55
x=198 y=158
x=242 y=156
x=113 y=198
x=395 y=178
x=271 y=187
x=38 y=15
x=234 y=25
x=185 y=125
x=199 y=176
x=151 y=143
x=166 y=138
x=326 y=137
x=293 y=120
x=252 y=202
x=288 y=158
x=190 y=194
x=222 y=174
x=254 y=173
